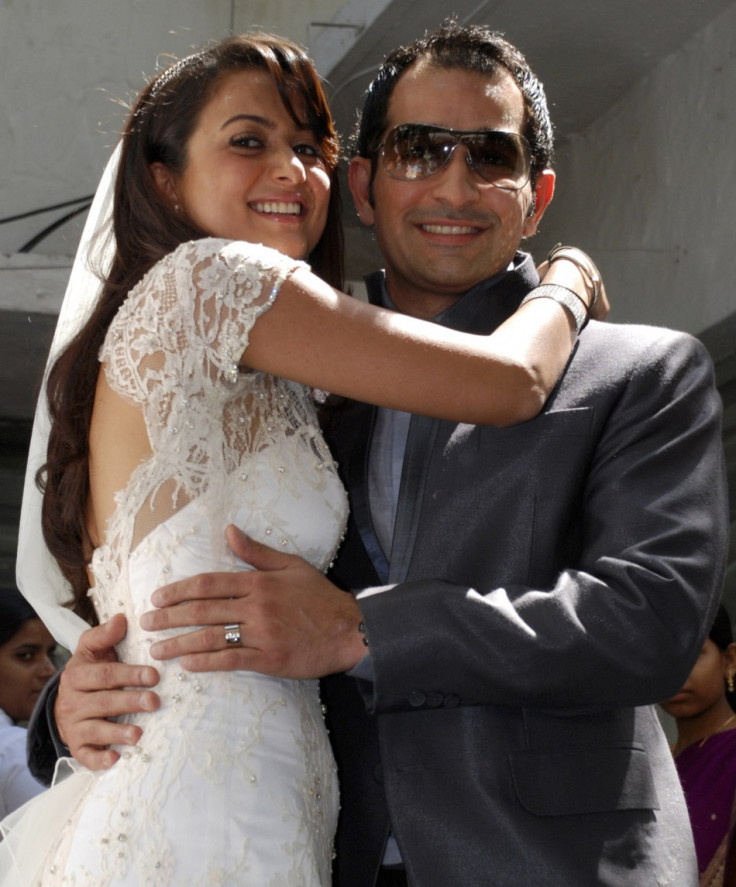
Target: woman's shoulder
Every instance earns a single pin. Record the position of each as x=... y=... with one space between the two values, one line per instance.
x=227 y=254
x=234 y=272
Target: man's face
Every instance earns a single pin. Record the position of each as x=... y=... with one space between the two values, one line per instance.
x=441 y=235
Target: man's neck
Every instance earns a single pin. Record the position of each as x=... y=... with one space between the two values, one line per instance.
x=427 y=304
x=424 y=306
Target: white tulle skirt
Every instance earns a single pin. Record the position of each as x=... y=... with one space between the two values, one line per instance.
x=31 y=833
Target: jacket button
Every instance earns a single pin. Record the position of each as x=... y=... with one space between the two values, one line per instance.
x=417 y=699
x=434 y=700
x=451 y=701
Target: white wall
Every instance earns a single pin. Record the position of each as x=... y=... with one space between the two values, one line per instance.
x=67 y=64
x=650 y=189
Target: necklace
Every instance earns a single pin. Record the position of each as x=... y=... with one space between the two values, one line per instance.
x=718 y=730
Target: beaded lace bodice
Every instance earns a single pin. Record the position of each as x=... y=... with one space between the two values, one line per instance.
x=233 y=781
x=173 y=349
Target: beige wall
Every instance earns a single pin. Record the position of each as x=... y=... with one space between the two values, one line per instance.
x=650 y=189
x=66 y=65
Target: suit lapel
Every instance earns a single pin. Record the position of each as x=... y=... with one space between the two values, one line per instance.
x=419 y=446
x=363 y=419
x=481 y=310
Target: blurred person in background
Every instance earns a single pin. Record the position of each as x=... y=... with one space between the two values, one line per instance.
x=26 y=650
x=705 y=752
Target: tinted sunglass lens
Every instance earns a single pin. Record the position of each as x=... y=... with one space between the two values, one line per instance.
x=499 y=158
x=414 y=153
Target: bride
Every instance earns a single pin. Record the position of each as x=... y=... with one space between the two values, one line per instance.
x=171 y=416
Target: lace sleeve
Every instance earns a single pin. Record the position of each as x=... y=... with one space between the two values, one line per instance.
x=184 y=327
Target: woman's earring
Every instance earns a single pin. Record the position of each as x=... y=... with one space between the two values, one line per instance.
x=729 y=680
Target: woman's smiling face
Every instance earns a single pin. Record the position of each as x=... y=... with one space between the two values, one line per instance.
x=252 y=173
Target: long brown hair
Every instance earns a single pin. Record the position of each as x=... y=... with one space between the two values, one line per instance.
x=146 y=228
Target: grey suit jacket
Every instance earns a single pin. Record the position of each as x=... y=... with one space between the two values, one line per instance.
x=548 y=583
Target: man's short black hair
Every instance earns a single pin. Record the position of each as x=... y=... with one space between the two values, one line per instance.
x=472 y=48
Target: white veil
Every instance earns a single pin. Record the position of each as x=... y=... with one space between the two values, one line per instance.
x=37 y=573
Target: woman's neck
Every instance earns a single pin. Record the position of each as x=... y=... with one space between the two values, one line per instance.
x=716 y=719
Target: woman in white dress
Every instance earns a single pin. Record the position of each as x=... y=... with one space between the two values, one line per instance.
x=192 y=424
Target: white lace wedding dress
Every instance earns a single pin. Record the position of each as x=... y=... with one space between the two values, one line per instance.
x=233 y=782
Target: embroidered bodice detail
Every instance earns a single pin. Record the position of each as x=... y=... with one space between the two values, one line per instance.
x=174 y=349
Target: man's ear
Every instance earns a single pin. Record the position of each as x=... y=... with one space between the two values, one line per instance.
x=359 y=179
x=165 y=182
x=543 y=194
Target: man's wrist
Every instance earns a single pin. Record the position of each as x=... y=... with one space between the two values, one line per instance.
x=353 y=644
x=362 y=630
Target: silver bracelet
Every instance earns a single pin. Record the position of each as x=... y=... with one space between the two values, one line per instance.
x=565 y=297
x=585 y=265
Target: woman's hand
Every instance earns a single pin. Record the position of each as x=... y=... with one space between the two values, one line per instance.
x=570 y=267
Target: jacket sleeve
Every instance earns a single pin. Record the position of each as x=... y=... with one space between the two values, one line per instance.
x=624 y=619
x=44 y=746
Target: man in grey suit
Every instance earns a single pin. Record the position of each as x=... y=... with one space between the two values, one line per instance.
x=522 y=595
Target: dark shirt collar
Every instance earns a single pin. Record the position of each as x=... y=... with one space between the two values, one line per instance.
x=483 y=307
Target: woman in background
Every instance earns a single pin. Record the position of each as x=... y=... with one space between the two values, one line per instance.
x=26 y=648
x=705 y=752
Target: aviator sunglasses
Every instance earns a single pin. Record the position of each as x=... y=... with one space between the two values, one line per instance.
x=414 y=151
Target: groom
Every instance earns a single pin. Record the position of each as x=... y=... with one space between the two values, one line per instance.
x=523 y=595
